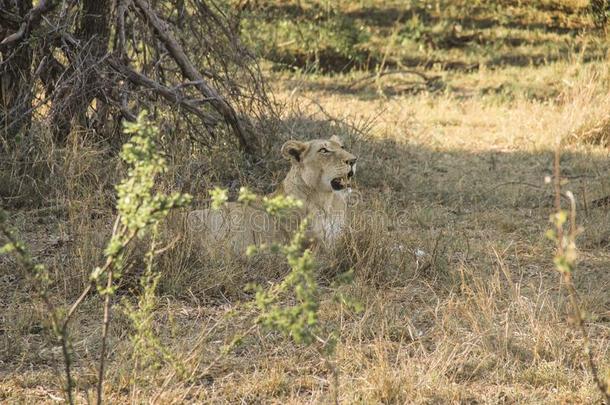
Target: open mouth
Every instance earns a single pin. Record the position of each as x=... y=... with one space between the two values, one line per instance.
x=340 y=183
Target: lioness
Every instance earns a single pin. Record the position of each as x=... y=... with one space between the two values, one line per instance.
x=319 y=176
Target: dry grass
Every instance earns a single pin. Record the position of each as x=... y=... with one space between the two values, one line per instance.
x=477 y=315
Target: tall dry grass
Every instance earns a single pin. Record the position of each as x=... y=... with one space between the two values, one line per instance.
x=447 y=248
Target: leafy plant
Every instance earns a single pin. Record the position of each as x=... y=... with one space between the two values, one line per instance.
x=140 y=208
x=38 y=274
x=565 y=263
x=300 y=320
x=148 y=351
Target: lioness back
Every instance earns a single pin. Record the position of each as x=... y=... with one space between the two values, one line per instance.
x=238 y=226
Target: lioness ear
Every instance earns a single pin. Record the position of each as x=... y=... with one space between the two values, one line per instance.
x=293 y=150
x=335 y=138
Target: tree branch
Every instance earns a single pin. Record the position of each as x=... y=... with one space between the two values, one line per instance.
x=189 y=71
x=169 y=94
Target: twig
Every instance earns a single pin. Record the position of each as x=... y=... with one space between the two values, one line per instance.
x=584 y=199
x=9 y=18
x=426 y=78
x=341 y=121
x=169 y=246
x=106 y=322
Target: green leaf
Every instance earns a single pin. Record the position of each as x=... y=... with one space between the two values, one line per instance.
x=219 y=197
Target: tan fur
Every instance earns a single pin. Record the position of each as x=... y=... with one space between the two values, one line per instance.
x=314 y=165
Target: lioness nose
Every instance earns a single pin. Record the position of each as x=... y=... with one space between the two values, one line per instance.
x=351 y=162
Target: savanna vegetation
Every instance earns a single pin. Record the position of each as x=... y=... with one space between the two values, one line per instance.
x=476 y=265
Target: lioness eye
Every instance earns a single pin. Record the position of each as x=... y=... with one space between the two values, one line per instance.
x=323 y=150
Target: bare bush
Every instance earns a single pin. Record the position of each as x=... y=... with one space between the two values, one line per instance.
x=92 y=64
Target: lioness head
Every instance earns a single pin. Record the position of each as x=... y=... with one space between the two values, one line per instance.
x=323 y=164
